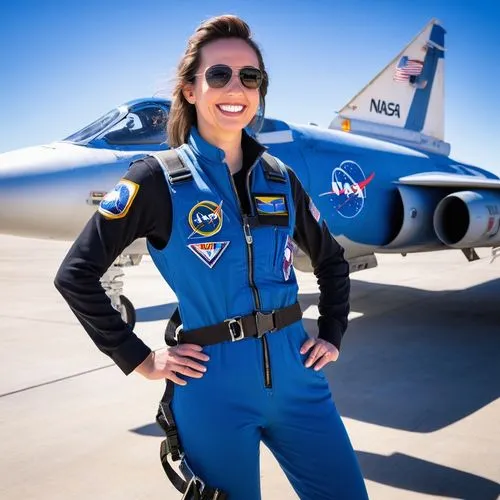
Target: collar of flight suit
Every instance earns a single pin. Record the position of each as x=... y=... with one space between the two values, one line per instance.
x=212 y=155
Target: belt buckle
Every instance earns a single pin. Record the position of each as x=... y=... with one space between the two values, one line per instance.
x=235 y=327
x=194 y=482
x=194 y=488
x=264 y=322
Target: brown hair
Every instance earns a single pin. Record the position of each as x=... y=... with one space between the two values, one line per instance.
x=183 y=114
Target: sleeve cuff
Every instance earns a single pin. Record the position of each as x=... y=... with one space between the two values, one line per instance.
x=131 y=354
x=331 y=331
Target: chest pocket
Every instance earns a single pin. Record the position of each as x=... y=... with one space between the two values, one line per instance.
x=274 y=225
x=275 y=215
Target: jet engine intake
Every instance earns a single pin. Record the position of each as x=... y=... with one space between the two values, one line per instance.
x=412 y=227
x=468 y=219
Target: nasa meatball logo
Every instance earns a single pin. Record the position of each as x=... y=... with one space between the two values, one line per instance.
x=205 y=219
x=348 y=192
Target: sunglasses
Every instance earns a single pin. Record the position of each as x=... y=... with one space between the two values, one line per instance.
x=220 y=75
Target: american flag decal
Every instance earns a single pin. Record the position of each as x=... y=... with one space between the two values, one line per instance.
x=407 y=67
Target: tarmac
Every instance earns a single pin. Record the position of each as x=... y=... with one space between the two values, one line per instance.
x=417 y=383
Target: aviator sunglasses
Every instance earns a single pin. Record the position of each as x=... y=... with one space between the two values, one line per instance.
x=220 y=75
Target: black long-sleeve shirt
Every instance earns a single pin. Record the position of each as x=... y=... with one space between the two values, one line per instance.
x=150 y=216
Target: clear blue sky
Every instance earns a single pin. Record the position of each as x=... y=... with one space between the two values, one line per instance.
x=65 y=63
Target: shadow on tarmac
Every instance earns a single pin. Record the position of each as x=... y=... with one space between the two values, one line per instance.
x=406 y=473
x=152 y=430
x=413 y=474
x=429 y=364
x=415 y=360
x=156 y=313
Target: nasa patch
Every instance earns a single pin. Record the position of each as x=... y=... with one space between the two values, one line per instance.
x=288 y=258
x=209 y=252
x=271 y=205
x=205 y=219
x=117 y=202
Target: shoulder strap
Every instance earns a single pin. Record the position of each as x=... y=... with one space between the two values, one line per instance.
x=272 y=169
x=172 y=163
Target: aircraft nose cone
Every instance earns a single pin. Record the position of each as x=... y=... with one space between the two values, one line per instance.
x=35 y=192
x=45 y=191
x=23 y=161
x=18 y=204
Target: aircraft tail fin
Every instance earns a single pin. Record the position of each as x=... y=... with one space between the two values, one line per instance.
x=405 y=101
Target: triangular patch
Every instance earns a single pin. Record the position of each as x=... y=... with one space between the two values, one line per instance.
x=209 y=252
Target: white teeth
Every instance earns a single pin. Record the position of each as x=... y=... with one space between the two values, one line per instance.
x=231 y=108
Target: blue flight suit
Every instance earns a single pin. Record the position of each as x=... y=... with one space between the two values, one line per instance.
x=254 y=389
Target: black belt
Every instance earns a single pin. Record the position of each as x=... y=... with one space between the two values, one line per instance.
x=253 y=325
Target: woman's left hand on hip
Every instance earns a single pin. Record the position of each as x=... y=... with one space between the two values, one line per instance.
x=321 y=353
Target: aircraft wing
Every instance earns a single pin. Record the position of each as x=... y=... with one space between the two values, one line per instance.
x=440 y=179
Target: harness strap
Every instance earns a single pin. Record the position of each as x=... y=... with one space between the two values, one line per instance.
x=178 y=171
x=272 y=169
x=192 y=487
x=233 y=329
x=173 y=164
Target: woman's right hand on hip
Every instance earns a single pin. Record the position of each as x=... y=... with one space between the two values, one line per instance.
x=173 y=361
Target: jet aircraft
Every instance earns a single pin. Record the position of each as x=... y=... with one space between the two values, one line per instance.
x=380 y=174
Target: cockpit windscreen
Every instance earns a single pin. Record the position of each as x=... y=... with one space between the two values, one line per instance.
x=94 y=128
x=142 y=125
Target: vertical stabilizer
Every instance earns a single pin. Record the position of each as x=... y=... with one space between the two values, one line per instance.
x=405 y=101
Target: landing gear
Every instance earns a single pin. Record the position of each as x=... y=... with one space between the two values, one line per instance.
x=470 y=254
x=113 y=286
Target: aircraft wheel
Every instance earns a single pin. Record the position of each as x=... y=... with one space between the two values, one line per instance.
x=127 y=311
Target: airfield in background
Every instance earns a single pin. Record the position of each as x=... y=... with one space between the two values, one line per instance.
x=417 y=383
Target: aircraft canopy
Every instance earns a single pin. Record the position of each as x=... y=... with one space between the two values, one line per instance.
x=129 y=125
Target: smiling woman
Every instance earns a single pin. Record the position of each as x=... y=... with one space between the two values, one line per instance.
x=240 y=367
x=225 y=92
x=209 y=71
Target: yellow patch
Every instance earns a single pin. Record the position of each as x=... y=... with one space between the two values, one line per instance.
x=116 y=203
x=271 y=205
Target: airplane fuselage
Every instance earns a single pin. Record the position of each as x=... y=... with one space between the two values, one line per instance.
x=51 y=191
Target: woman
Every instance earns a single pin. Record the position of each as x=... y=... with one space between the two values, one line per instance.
x=221 y=226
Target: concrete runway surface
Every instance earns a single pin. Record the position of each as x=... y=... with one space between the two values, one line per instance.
x=417 y=383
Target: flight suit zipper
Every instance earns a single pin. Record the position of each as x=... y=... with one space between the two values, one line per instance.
x=265 y=347
x=253 y=287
